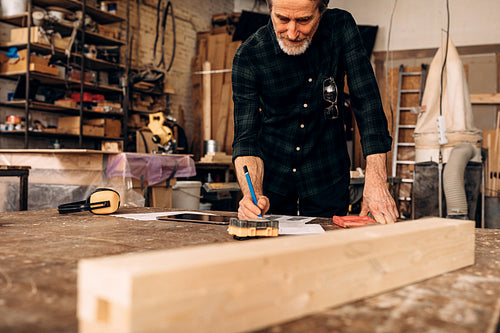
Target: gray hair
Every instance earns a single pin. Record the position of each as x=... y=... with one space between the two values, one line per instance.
x=322 y=4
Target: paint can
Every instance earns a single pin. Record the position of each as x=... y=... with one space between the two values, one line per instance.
x=210 y=146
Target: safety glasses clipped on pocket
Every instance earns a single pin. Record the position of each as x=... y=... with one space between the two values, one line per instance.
x=102 y=201
x=330 y=95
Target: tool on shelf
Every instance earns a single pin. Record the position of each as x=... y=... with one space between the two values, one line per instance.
x=162 y=135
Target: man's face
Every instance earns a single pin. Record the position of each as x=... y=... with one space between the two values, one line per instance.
x=295 y=22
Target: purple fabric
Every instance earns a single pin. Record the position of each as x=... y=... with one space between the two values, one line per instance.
x=154 y=168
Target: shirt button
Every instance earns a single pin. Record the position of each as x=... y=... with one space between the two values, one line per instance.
x=294 y=170
x=305 y=105
x=302 y=126
x=297 y=149
x=310 y=80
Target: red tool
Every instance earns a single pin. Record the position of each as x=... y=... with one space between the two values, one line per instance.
x=353 y=221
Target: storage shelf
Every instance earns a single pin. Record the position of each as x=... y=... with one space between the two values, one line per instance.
x=55 y=80
x=94 y=64
x=40 y=75
x=17 y=20
x=55 y=135
x=46 y=107
x=141 y=111
x=97 y=15
x=65 y=29
x=149 y=92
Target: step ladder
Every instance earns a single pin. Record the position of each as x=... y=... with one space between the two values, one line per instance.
x=411 y=84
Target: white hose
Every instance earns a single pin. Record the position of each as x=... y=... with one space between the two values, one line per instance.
x=453 y=180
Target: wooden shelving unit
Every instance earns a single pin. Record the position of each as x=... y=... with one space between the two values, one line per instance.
x=64 y=82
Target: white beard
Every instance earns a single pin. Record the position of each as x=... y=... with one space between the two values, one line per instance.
x=295 y=50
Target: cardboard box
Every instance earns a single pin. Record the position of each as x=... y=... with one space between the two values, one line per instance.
x=112 y=146
x=108 y=32
x=71 y=125
x=95 y=121
x=67 y=103
x=92 y=130
x=20 y=35
x=19 y=65
x=112 y=127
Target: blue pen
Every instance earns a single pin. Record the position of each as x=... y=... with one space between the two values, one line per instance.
x=250 y=186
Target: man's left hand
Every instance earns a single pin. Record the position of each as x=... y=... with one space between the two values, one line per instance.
x=376 y=197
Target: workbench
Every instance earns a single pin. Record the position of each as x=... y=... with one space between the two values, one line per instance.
x=66 y=175
x=39 y=252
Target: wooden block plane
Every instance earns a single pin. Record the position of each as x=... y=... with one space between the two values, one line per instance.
x=242 y=286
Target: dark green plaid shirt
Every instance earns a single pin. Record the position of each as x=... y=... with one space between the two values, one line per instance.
x=279 y=106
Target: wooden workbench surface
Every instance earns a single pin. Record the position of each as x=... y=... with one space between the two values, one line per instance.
x=39 y=251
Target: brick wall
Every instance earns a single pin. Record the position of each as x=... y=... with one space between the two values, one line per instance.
x=191 y=16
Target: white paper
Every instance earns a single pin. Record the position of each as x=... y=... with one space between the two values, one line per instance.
x=296 y=225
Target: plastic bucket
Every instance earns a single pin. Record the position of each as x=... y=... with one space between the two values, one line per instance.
x=12 y=7
x=186 y=195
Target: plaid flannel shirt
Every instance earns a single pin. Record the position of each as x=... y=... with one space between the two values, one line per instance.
x=279 y=106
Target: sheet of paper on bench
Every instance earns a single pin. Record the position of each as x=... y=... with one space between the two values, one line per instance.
x=289 y=225
x=296 y=225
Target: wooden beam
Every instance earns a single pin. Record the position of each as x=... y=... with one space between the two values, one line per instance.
x=207 y=104
x=242 y=286
x=431 y=52
x=485 y=98
x=216 y=55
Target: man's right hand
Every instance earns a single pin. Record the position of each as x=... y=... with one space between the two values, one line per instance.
x=248 y=210
x=255 y=167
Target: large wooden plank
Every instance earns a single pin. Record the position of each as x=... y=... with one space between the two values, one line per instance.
x=207 y=105
x=485 y=98
x=216 y=55
x=228 y=141
x=221 y=124
x=240 y=286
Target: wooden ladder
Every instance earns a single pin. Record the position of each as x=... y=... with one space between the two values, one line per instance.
x=411 y=84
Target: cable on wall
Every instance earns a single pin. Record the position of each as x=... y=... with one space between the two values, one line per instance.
x=447 y=32
x=440 y=118
x=160 y=33
x=387 y=87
